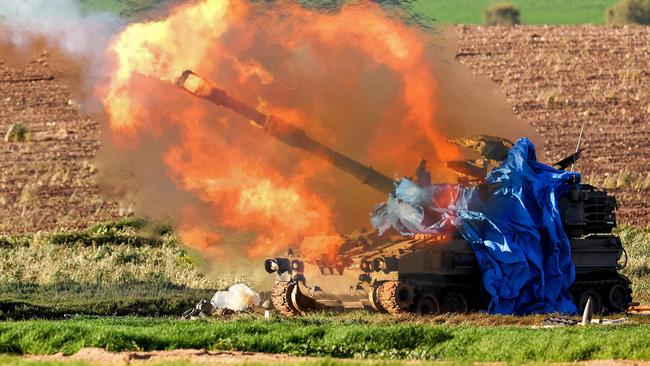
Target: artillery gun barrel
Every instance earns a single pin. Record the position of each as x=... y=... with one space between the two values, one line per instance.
x=284 y=131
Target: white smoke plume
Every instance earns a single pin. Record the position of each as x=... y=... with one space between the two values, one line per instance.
x=63 y=26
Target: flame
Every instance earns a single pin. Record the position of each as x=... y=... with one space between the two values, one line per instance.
x=252 y=68
x=324 y=247
x=287 y=60
x=151 y=49
x=198 y=237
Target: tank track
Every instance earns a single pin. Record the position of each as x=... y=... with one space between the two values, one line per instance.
x=417 y=296
x=281 y=298
x=601 y=289
x=288 y=300
x=395 y=297
x=399 y=297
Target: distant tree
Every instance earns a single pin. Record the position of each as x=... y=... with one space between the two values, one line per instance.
x=502 y=14
x=629 y=12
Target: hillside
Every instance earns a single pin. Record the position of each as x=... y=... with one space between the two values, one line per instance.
x=532 y=11
x=443 y=11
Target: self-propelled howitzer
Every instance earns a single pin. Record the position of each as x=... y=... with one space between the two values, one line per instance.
x=425 y=273
x=284 y=131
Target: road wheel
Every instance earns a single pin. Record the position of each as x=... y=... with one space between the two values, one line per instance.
x=427 y=305
x=301 y=302
x=596 y=301
x=618 y=298
x=281 y=298
x=395 y=297
x=455 y=302
x=373 y=298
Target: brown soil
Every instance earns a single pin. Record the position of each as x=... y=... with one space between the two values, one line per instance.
x=555 y=78
x=97 y=356
x=47 y=182
x=558 y=77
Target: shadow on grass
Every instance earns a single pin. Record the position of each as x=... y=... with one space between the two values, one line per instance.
x=55 y=301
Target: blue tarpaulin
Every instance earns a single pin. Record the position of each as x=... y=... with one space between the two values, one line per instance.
x=515 y=229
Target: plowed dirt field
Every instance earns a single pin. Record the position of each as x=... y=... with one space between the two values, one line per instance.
x=555 y=78
x=48 y=181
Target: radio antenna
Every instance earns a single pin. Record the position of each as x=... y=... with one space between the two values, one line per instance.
x=582 y=130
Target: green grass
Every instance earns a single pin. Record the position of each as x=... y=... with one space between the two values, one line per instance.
x=532 y=11
x=328 y=337
x=444 y=11
x=17 y=361
x=128 y=267
x=131 y=267
x=124 y=8
x=130 y=9
x=113 y=6
x=637 y=245
x=142 y=301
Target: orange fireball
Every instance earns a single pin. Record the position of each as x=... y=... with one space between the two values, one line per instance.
x=358 y=79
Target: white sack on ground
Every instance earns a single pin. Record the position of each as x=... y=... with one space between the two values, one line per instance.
x=238 y=297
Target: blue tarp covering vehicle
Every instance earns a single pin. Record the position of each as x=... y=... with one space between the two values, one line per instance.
x=516 y=232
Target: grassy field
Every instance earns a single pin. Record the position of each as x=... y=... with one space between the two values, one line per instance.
x=126 y=267
x=532 y=11
x=131 y=267
x=122 y=7
x=331 y=337
x=444 y=11
x=637 y=245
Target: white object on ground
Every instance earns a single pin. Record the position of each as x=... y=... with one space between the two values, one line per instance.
x=238 y=297
x=609 y=321
x=588 y=313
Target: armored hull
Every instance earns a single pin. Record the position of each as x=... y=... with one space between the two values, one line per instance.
x=441 y=278
x=433 y=274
